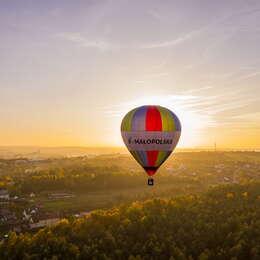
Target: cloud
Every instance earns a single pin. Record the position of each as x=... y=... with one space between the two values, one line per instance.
x=245 y=76
x=79 y=39
x=198 y=113
x=196 y=90
x=171 y=43
x=178 y=103
x=191 y=34
x=249 y=75
x=85 y=42
x=156 y=15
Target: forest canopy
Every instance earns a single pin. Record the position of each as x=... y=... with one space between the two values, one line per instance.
x=223 y=223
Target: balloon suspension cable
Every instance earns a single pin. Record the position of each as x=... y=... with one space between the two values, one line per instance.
x=150 y=181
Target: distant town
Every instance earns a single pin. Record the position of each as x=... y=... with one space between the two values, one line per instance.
x=38 y=192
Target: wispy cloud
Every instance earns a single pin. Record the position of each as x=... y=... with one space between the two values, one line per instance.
x=156 y=15
x=171 y=43
x=177 y=103
x=197 y=112
x=196 y=90
x=79 y=39
x=249 y=75
x=150 y=76
x=103 y=45
x=192 y=122
x=240 y=75
x=187 y=36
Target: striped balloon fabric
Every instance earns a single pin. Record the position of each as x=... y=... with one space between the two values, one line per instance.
x=150 y=133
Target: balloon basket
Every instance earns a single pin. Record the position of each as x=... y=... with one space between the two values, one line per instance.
x=150 y=182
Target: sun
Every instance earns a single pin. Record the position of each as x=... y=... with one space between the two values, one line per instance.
x=193 y=123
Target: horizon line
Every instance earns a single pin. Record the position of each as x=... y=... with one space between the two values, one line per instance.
x=122 y=147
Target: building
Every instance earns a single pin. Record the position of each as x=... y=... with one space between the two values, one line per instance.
x=4 y=194
x=44 y=223
x=61 y=195
x=32 y=195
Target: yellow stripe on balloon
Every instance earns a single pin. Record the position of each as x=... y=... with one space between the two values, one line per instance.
x=160 y=158
x=127 y=121
x=167 y=119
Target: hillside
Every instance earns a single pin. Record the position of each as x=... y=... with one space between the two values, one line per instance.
x=35 y=191
x=223 y=223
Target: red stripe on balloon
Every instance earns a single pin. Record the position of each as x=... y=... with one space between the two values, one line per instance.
x=151 y=170
x=152 y=157
x=153 y=119
x=153 y=123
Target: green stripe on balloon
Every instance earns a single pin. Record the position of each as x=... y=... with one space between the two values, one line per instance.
x=160 y=158
x=167 y=119
x=127 y=121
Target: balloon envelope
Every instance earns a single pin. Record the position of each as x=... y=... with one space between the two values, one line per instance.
x=150 y=133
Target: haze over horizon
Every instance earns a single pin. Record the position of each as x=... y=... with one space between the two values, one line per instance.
x=70 y=70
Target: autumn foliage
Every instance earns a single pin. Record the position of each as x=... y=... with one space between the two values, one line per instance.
x=224 y=223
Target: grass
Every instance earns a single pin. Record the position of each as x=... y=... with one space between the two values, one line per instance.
x=105 y=199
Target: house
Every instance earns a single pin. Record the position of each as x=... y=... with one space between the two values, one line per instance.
x=4 y=194
x=226 y=179
x=85 y=214
x=60 y=195
x=7 y=216
x=44 y=223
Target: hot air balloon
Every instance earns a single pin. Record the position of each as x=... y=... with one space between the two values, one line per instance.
x=150 y=133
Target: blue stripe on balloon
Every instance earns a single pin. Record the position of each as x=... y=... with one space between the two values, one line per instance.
x=139 y=119
x=143 y=157
x=177 y=122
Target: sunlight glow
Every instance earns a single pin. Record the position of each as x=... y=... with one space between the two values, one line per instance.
x=182 y=105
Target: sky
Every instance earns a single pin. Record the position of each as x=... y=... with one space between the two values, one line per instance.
x=70 y=70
